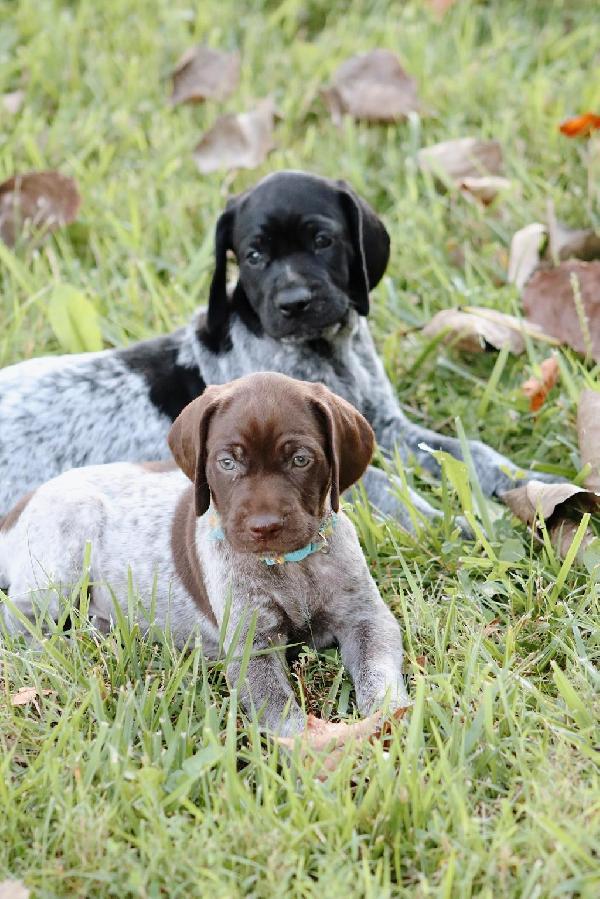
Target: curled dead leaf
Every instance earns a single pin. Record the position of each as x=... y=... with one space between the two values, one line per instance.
x=40 y=201
x=588 y=430
x=485 y=188
x=372 y=86
x=476 y=329
x=205 y=74
x=526 y=248
x=13 y=101
x=580 y=125
x=321 y=735
x=568 y=243
x=560 y=505
x=562 y=533
x=240 y=141
x=25 y=695
x=537 y=498
x=537 y=389
x=461 y=159
x=13 y=889
x=565 y=302
x=537 y=245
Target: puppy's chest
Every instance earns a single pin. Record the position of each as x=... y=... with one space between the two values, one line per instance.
x=302 y=593
x=336 y=364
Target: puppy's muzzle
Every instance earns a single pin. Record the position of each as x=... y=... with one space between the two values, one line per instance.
x=294 y=300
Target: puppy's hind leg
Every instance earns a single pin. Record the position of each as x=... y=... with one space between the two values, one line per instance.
x=383 y=493
x=41 y=557
x=495 y=472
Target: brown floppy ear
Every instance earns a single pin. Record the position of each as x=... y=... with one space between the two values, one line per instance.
x=349 y=440
x=187 y=442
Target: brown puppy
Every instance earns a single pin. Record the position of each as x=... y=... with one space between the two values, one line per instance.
x=254 y=549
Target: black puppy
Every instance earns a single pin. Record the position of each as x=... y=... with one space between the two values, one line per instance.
x=309 y=251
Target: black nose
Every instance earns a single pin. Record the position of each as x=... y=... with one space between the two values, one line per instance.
x=294 y=300
x=265 y=525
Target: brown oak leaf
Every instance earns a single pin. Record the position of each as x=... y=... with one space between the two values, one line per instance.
x=241 y=141
x=205 y=74
x=372 y=86
x=38 y=201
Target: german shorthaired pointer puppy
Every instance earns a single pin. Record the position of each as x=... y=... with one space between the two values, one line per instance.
x=255 y=545
x=309 y=251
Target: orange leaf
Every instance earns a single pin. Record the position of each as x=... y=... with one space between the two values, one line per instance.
x=537 y=390
x=580 y=125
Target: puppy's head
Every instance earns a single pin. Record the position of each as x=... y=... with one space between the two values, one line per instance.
x=270 y=451
x=308 y=250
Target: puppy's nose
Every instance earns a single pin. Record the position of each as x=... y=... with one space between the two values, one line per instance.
x=294 y=300
x=265 y=525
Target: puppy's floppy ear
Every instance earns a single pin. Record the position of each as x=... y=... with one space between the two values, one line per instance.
x=371 y=245
x=349 y=440
x=217 y=298
x=187 y=442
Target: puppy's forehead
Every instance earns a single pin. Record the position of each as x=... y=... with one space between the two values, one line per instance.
x=283 y=195
x=264 y=408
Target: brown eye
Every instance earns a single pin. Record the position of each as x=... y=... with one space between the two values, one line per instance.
x=254 y=256
x=300 y=461
x=322 y=241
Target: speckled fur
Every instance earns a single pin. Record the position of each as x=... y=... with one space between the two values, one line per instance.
x=68 y=411
x=126 y=513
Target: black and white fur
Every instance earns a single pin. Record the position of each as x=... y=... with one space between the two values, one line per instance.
x=299 y=308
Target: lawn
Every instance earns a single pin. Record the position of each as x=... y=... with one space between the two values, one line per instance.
x=133 y=773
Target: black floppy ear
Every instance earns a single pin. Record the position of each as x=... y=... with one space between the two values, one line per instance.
x=187 y=441
x=217 y=298
x=349 y=440
x=371 y=246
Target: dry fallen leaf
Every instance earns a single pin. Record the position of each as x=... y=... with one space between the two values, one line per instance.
x=323 y=735
x=13 y=889
x=580 y=125
x=526 y=249
x=562 y=533
x=588 y=430
x=539 y=245
x=461 y=159
x=240 y=141
x=565 y=302
x=560 y=505
x=486 y=188
x=25 y=695
x=537 y=389
x=568 y=243
x=42 y=201
x=205 y=74
x=538 y=498
x=372 y=86
x=476 y=329
x=13 y=101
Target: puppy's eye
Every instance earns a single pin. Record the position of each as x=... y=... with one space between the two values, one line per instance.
x=254 y=256
x=300 y=461
x=322 y=240
x=227 y=463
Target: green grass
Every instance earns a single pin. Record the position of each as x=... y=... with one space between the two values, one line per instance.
x=137 y=775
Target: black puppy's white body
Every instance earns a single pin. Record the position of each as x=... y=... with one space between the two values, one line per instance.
x=300 y=310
